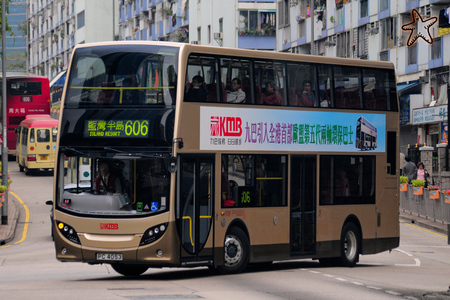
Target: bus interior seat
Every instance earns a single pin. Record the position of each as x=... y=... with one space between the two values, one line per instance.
x=369 y=100
x=339 y=99
x=352 y=99
x=293 y=100
x=106 y=96
x=380 y=96
x=212 y=92
x=247 y=90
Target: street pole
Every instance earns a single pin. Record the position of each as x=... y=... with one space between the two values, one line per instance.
x=4 y=148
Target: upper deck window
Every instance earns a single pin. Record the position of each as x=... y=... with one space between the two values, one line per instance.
x=123 y=75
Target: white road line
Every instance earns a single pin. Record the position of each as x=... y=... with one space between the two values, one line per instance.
x=393 y=293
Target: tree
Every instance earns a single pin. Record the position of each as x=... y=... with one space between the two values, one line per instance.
x=8 y=28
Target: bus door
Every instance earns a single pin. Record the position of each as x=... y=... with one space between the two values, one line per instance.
x=303 y=204
x=194 y=207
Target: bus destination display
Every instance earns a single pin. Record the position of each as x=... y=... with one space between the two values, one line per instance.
x=116 y=128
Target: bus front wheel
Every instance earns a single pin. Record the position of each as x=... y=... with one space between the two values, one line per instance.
x=350 y=245
x=129 y=270
x=236 y=248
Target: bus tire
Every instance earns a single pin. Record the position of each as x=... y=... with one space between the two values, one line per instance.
x=350 y=245
x=129 y=270
x=236 y=251
x=21 y=168
x=27 y=171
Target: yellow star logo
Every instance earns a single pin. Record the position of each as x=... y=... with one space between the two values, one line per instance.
x=419 y=28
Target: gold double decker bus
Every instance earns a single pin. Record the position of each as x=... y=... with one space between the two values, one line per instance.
x=204 y=156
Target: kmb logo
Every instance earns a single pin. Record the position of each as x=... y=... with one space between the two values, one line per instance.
x=226 y=126
x=109 y=226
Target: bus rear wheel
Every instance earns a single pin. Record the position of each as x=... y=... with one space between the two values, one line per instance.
x=236 y=250
x=129 y=270
x=350 y=245
x=21 y=168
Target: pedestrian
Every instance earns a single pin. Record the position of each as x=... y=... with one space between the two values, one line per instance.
x=409 y=169
x=422 y=173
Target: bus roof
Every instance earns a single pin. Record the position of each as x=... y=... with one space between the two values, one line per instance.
x=255 y=54
x=37 y=116
x=39 y=122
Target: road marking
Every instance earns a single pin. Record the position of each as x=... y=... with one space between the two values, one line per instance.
x=393 y=293
x=417 y=264
x=357 y=283
x=27 y=219
x=429 y=231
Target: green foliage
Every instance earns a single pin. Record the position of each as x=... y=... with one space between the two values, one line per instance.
x=403 y=179
x=8 y=28
x=417 y=183
x=3 y=189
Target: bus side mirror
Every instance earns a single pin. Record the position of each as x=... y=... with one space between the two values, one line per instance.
x=172 y=164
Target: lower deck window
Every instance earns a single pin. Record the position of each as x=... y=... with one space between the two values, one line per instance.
x=347 y=180
x=254 y=180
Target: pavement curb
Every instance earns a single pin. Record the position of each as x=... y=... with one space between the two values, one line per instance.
x=437 y=226
x=13 y=218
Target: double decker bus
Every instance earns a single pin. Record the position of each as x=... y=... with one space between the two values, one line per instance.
x=25 y=95
x=182 y=176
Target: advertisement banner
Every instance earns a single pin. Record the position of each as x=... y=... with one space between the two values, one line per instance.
x=249 y=129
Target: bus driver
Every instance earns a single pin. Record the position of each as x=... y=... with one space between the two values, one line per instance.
x=105 y=182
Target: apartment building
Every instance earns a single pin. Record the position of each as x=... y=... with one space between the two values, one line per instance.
x=382 y=30
x=56 y=26
x=16 y=44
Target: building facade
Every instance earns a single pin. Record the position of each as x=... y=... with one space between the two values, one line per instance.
x=387 y=30
x=56 y=26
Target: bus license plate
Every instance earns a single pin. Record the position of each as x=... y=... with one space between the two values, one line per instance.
x=109 y=256
x=43 y=157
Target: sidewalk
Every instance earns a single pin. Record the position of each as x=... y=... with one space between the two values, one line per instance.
x=423 y=222
x=7 y=231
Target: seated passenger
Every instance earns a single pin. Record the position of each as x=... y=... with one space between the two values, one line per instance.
x=306 y=95
x=271 y=95
x=235 y=94
x=196 y=91
x=106 y=183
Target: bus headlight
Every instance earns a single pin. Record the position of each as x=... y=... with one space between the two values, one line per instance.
x=153 y=233
x=68 y=232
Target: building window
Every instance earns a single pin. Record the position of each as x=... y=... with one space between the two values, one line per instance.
x=412 y=55
x=221 y=25
x=384 y=56
x=343 y=44
x=283 y=9
x=252 y=22
x=384 y=5
x=199 y=35
x=301 y=29
x=80 y=20
x=436 y=49
x=209 y=34
x=388 y=33
x=364 y=9
x=362 y=46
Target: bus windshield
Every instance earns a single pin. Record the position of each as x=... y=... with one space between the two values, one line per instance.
x=123 y=75
x=115 y=186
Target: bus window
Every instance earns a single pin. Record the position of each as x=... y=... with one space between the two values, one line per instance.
x=43 y=135
x=201 y=83
x=253 y=180
x=301 y=82
x=32 y=140
x=346 y=87
x=236 y=71
x=272 y=74
x=347 y=180
x=146 y=73
x=325 y=80
x=377 y=89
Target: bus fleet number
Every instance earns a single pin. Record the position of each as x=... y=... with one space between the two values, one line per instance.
x=245 y=197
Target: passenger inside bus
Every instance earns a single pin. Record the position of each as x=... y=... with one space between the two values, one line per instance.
x=107 y=182
x=234 y=92
x=306 y=95
x=196 y=92
x=271 y=96
x=43 y=135
x=130 y=95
